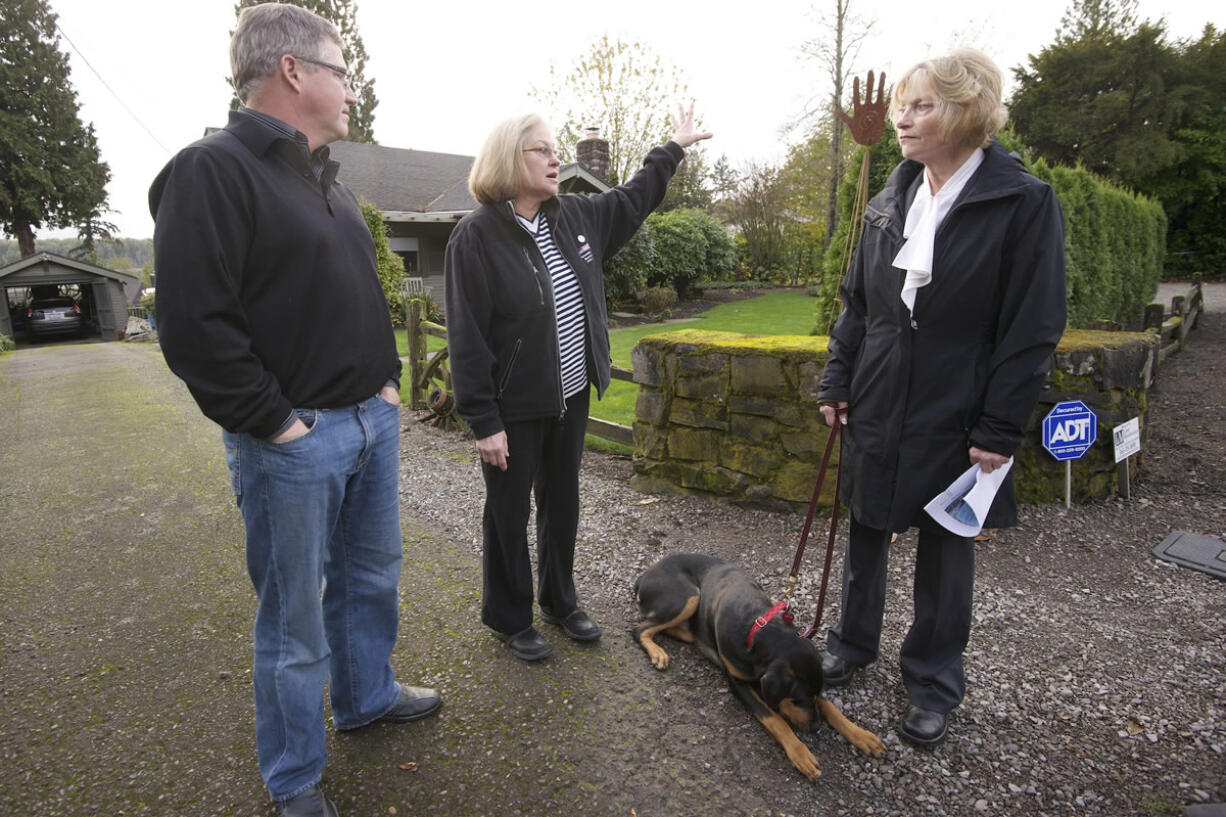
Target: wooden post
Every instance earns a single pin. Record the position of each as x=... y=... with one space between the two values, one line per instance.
x=1153 y=318
x=417 y=354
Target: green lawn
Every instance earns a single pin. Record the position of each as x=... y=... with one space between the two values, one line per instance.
x=776 y=313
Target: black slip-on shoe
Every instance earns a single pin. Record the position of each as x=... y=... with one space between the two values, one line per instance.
x=310 y=803
x=578 y=625
x=923 y=727
x=527 y=644
x=836 y=672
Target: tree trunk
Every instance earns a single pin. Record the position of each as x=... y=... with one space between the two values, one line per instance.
x=25 y=238
x=836 y=134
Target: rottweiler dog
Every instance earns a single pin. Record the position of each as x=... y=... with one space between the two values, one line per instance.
x=715 y=605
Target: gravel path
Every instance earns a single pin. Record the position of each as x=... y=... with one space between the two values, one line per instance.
x=1097 y=673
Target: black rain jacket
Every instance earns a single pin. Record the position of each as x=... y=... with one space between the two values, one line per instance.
x=966 y=369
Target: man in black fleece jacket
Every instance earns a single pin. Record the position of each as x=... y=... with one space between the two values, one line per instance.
x=271 y=310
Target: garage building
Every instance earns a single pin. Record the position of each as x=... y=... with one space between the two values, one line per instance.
x=102 y=294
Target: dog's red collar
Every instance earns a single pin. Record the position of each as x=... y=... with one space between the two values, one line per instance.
x=764 y=619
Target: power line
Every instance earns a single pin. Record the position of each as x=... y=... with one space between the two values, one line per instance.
x=132 y=114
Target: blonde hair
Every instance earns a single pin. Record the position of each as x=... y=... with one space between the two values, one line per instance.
x=966 y=85
x=499 y=171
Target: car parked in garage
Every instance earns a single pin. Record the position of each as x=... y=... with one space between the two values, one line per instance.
x=47 y=317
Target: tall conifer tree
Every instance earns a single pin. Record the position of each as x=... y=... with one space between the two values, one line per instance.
x=50 y=171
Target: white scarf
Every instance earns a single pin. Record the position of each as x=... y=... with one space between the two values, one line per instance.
x=924 y=218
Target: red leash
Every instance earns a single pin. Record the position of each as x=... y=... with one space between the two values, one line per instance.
x=835 y=432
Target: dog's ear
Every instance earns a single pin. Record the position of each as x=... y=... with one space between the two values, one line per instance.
x=776 y=683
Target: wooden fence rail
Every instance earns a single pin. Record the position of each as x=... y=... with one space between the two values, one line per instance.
x=1173 y=327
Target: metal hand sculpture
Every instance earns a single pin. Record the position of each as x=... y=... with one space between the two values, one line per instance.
x=867 y=122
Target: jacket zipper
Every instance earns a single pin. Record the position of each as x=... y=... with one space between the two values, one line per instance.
x=557 y=344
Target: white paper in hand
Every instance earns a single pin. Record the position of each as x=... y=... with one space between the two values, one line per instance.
x=962 y=507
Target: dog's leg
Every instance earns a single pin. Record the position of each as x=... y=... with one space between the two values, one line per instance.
x=647 y=630
x=800 y=755
x=681 y=634
x=862 y=739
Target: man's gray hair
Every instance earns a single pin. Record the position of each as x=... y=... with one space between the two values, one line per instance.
x=268 y=31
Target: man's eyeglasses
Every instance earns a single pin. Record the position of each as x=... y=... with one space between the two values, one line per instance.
x=343 y=73
x=547 y=153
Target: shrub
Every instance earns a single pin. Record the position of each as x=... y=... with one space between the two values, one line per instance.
x=6 y=344
x=389 y=265
x=690 y=245
x=431 y=311
x=658 y=300
x=626 y=272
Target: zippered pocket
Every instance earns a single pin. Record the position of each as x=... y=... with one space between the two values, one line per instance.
x=506 y=375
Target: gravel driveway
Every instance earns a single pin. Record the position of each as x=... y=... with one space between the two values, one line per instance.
x=1097 y=673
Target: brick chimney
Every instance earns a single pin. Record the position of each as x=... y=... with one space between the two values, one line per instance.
x=593 y=153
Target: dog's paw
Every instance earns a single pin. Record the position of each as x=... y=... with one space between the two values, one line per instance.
x=658 y=657
x=804 y=761
x=868 y=743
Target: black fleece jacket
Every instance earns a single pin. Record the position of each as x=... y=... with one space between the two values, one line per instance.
x=501 y=329
x=268 y=296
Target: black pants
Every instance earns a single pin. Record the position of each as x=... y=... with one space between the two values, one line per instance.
x=544 y=459
x=931 y=654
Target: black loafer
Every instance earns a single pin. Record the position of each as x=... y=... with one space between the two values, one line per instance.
x=527 y=644
x=577 y=625
x=923 y=727
x=836 y=672
x=413 y=704
x=310 y=803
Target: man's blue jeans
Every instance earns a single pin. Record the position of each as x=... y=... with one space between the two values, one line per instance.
x=323 y=551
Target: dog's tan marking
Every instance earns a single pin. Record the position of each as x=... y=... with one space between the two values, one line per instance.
x=736 y=673
x=800 y=755
x=681 y=634
x=800 y=718
x=862 y=739
x=655 y=653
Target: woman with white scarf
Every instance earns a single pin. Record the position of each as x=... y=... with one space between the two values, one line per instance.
x=952 y=308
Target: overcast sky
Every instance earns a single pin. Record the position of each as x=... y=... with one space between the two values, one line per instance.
x=150 y=74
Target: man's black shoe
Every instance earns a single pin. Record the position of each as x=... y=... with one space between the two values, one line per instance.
x=310 y=803
x=577 y=625
x=923 y=727
x=835 y=671
x=413 y=704
x=527 y=644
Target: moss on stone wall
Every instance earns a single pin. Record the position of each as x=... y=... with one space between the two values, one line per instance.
x=736 y=416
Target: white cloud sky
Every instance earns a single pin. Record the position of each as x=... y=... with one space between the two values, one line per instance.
x=445 y=72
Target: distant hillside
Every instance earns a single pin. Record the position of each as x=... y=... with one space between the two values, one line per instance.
x=124 y=254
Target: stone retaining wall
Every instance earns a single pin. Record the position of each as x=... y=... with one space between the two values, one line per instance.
x=736 y=416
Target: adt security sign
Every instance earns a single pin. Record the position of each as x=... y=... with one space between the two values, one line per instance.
x=1069 y=430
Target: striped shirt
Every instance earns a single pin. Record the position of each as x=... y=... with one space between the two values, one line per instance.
x=568 y=308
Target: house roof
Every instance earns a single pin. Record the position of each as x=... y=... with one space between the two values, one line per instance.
x=407 y=181
x=48 y=260
x=421 y=185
